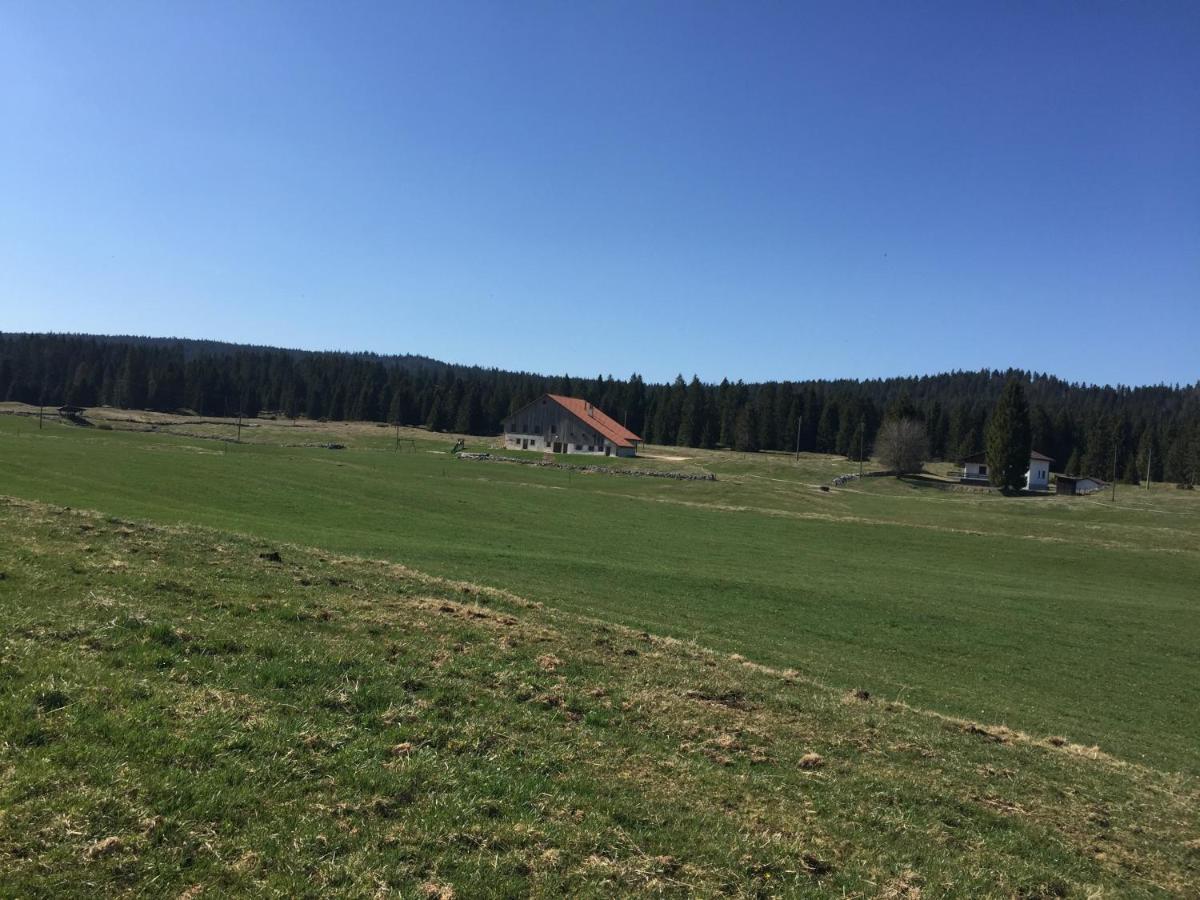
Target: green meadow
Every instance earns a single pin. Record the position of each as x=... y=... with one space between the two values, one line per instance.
x=1074 y=617
x=192 y=713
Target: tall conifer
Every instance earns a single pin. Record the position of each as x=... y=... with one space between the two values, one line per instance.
x=1009 y=438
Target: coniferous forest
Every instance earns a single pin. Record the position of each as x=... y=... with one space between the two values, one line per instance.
x=1087 y=429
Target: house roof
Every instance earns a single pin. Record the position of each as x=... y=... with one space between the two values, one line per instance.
x=605 y=425
x=597 y=419
x=982 y=457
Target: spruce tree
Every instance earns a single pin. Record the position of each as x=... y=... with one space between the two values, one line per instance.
x=691 y=420
x=745 y=436
x=1009 y=439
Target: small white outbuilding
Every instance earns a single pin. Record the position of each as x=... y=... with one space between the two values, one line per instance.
x=1037 y=476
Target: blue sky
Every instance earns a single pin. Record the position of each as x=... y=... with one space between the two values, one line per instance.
x=757 y=190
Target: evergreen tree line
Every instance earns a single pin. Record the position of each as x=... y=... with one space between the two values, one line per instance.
x=1087 y=429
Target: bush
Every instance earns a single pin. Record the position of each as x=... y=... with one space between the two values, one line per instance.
x=901 y=445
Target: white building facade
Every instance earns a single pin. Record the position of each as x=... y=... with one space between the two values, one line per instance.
x=1037 y=476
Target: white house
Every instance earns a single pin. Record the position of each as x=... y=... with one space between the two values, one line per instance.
x=567 y=425
x=1037 y=476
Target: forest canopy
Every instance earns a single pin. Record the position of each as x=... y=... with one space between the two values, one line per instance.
x=1087 y=429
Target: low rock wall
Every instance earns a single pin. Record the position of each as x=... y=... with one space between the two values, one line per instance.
x=598 y=470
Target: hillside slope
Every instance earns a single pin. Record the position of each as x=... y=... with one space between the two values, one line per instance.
x=185 y=709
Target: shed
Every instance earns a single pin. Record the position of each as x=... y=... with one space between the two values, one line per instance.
x=1076 y=484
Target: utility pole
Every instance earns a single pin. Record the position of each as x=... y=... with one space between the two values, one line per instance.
x=397 y=436
x=239 y=433
x=1149 y=460
x=1114 y=469
x=862 y=433
x=799 y=425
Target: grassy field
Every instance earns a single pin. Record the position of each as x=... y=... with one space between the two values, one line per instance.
x=188 y=712
x=1071 y=616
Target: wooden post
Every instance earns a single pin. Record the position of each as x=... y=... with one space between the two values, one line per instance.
x=1114 y=469
x=239 y=427
x=862 y=433
x=799 y=425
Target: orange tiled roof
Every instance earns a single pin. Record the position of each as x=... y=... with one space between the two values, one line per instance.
x=606 y=425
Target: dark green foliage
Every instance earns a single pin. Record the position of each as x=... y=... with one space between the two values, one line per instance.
x=745 y=430
x=224 y=379
x=692 y=418
x=901 y=408
x=1009 y=439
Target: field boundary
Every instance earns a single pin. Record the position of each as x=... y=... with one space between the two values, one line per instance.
x=596 y=470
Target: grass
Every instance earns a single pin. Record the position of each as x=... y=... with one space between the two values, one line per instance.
x=1055 y=616
x=192 y=712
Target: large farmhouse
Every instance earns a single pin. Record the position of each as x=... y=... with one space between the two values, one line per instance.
x=567 y=425
x=1037 y=477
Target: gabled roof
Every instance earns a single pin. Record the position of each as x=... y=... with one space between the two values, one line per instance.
x=1079 y=478
x=597 y=419
x=593 y=416
x=982 y=457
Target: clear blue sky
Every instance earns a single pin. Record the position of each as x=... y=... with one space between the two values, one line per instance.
x=752 y=189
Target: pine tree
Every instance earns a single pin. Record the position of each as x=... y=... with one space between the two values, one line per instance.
x=1009 y=440
x=726 y=413
x=437 y=415
x=745 y=430
x=1131 y=470
x=469 y=413
x=937 y=429
x=708 y=436
x=827 y=429
x=1098 y=448
x=901 y=408
x=672 y=412
x=691 y=421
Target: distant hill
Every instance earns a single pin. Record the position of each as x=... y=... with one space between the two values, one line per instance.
x=1085 y=428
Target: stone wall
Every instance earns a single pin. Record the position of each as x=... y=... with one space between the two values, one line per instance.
x=598 y=470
